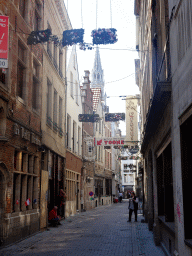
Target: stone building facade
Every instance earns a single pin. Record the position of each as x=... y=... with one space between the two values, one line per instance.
x=20 y=129
x=165 y=83
x=74 y=137
x=180 y=13
x=53 y=118
x=103 y=161
x=154 y=79
x=88 y=169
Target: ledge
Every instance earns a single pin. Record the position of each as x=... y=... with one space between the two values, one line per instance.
x=188 y=242
x=170 y=226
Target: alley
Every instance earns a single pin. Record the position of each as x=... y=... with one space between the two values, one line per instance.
x=101 y=231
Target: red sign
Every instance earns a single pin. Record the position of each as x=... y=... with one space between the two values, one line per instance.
x=4 y=35
x=110 y=141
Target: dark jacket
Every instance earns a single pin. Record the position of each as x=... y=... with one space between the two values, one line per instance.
x=135 y=203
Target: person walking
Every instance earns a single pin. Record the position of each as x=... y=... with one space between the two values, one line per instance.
x=120 y=197
x=133 y=206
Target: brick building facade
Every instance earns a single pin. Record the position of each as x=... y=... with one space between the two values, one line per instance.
x=20 y=130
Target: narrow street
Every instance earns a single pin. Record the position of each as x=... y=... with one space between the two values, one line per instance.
x=101 y=231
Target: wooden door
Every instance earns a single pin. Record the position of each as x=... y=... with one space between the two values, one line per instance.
x=43 y=199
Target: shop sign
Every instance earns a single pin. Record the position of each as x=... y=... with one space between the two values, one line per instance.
x=4 y=35
x=110 y=141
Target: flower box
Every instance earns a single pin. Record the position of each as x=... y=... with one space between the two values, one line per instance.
x=104 y=36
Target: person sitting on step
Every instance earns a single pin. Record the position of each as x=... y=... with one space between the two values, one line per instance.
x=54 y=219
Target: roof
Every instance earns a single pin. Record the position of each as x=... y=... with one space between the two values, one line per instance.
x=96 y=97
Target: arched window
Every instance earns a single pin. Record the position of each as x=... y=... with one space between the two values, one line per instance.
x=98 y=76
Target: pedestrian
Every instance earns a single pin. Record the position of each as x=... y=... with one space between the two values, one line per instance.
x=53 y=218
x=120 y=197
x=61 y=201
x=133 y=206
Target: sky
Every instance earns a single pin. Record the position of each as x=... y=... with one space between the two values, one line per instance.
x=117 y=59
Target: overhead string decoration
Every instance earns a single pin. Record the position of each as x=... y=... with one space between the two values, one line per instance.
x=104 y=35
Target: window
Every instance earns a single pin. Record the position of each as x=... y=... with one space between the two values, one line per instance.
x=70 y=180
x=60 y=116
x=37 y=22
x=108 y=186
x=25 y=184
x=2 y=76
x=49 y=103
x=55 y=111
x=68 y=131
x=61 y=63
x=71 y=82
x=125 y=166
x=184 y=35
x=76 y=90
x=55 y=56
x=37 y=17
x=165 y=185
x=79 y=140
x=186 y=165
x=22 y=7
x=21 y=71
x=74 y=145
x=49 y=44
x=35 y=88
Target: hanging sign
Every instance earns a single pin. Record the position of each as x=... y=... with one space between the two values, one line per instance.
x=131 y=120
x=92 y=118
x=4 y=37
x=114 y=117
x=109 y=141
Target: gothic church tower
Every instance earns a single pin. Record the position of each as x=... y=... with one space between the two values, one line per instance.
x=97 y=74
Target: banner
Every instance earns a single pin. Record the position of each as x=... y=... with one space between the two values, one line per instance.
x=4 y=36
x=109 y=141
x=131 y=120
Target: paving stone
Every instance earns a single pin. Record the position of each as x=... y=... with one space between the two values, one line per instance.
x=101 y=231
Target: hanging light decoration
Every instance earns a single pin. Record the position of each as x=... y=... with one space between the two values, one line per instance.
x=104 y=36
x=73 y=36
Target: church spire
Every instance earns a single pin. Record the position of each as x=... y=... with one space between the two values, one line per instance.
x=97 y=81
x=97 y=72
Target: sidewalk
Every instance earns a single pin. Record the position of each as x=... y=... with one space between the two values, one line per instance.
x=101 y=231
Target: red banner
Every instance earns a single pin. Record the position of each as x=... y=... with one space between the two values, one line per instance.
x=4 y=35
x=110 y=141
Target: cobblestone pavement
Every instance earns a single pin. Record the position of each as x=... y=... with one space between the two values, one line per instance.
x=101 y=231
